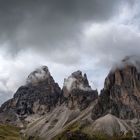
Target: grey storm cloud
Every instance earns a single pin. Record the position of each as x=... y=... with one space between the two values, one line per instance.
x=50 y=24
x=65 y=35
x=111 y=43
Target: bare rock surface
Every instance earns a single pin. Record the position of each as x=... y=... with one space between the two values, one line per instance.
x=77 y=91
x=110 y=125
x=121 y=93
x=39 y=95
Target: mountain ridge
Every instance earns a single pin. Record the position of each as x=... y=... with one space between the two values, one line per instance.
x=45 y=110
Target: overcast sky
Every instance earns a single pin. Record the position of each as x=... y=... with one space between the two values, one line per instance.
x=65 y=35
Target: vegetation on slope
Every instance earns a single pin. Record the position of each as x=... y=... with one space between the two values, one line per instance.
x=77 y=132
x=8 y=132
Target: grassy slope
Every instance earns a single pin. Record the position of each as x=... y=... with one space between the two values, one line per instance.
x=8 y=132
x=88 y=135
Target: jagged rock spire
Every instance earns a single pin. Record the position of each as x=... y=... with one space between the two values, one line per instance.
x=121 y=93
x=39 y=95
x=77 y=91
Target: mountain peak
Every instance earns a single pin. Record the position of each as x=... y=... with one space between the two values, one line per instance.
x=39 y=75
x=39 y=95
x=121 y=93
x=77 y=74
x=77 y=81
x=77 y=90
x=128 y=61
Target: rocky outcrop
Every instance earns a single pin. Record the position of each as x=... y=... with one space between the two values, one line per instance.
x=41 y=94
x=121 y=93
x=77 y=91
x=38 y=96
x=111 y=125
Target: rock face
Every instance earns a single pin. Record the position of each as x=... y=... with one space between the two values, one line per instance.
x=121 y=93
x=110 y=124
x=77 y=91
x=39 y=95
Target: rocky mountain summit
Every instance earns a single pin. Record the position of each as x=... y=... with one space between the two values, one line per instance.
x=121 y=93
x=77 y=91
x=39 y=95
x=42 y=99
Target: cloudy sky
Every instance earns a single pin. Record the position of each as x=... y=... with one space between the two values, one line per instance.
x=65 y=35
